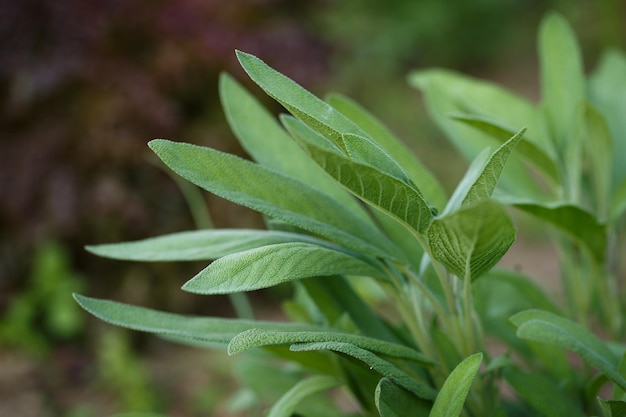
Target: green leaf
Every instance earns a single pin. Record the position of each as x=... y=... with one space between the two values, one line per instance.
x=375 y=363
x=272 y=194
x=542 y=394
x=620 y=393
x=266 y=141
x=394 y=401
x=612 y=408
x=608 y=94
x=562 y=77
x=209 y=329
x=596 y=141
x=257 y=337
x=451 y=397
x=525 y=148
x=380 y=190
x=271 y=265
x=364 y=151
x=197 y=245
x=482 y=176
x=287 y=404
x=546 y=327
x=571 y=219
x=396 y=149
x=300 y=102
x=618 y=203
x=472 y=240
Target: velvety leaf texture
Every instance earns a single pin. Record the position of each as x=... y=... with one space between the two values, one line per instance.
x=451 y=397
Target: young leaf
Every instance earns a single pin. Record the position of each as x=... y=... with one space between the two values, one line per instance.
x=471 y=240
x=451 y=397
x=573 y=220
x=287 y=404
x=258 y=337
x=197 y=244
x=612 y=408
x=376 y=130
x=384 y=192
x=267 y=142
x=394 y=401
x=271 y=265
x=209 y=329
x=542 y=394
x=273 y=194
x=526 y=148
x=546 y=327
x=300 y=102
x=562 y=77
x=381 y=366
x=608 y=94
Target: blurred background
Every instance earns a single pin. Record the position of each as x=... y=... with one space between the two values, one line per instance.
x=85 y=85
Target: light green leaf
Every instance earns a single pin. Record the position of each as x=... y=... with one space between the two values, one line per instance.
x=573 y=220
x=271 y=265
x=546 y=327
x=562 y=77
x=525 y=148
x=472 y=240
x=287 y=404
x=618 y=203
x=595 y=138
x=420 y=175
x=482 y=176
x=375 y=363
x=197 y=244
x=258 y=337
x=273 y=194
x=542 y=394
x=364 y=151
x=394 y=401
x=209 y=329
x=300 y=102
x=608 y=94
x=266 y=141
x=451 y=397
x=382 y=191
x=612 y=408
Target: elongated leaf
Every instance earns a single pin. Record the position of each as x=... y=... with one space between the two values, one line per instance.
x=300 y=102
x=257 y=337
x=573 y=220
x=562 y=77
x=608 y=94
x=394 y=401
x=618 y=203
x=367 y=152
x=451 y=397
x=271 y=265
x=471 y=240
x=273 y=194
x=382 y=191
x=482 y=176
x=620 y=393
x=420 y=175
x=497 y=130
x=197 y=245
x=542 y=394
x=266 y=141
x=287 y=404
x=612 y=408
x=381 y=366
x=209 y=329
x=546 y=327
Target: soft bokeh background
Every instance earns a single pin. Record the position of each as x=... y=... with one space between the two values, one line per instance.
x=85 y=85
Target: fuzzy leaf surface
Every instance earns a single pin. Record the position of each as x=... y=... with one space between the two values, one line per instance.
x=258 y=337
x=395 y=401
x=376 y=363
x=272 y=194
x=472 y=240
x=197 y=244
x=451 y=397
x=209 y=329
x=271 y=265
x=287 y=404
x=546 y=327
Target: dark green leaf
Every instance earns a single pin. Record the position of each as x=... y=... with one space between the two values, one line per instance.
x=395 y=401
x=287 y=404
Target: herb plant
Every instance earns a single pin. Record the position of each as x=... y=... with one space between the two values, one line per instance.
x=346 y=203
